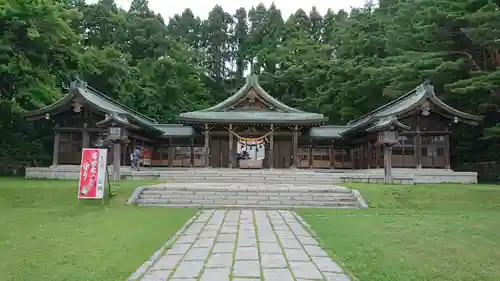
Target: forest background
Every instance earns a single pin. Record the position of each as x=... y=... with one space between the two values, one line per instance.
x=342 y=63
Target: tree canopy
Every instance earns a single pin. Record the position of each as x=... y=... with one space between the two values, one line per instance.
x=342 y=63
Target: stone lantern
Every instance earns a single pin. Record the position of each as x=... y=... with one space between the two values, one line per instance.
x=117 y=135
x=387 y=139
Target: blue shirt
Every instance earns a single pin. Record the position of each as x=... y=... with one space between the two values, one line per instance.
x=137 y=153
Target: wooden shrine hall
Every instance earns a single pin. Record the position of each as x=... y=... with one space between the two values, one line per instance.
x=251 y=129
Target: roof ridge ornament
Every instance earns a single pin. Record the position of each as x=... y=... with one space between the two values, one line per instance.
x=252 y=66
x=429 y=88
x=77 y=83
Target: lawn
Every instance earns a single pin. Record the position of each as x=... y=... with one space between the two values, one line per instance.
x=46 y=234
x=415 y=233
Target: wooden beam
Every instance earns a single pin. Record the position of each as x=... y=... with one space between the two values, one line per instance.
x=245 y=134
x=76 y=129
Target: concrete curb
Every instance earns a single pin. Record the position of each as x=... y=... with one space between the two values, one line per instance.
x=157 y=255
x=361 y=201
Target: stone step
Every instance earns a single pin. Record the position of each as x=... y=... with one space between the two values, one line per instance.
x=271 y=204
x=251 y=180
x=245 y=194
x=248 y=175
x=244 y=207
x=251 y=175
x=249 y=197
x=256 y=181
x=213 y=189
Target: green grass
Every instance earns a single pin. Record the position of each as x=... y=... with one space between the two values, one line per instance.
x=46 y=234
x=415 y=233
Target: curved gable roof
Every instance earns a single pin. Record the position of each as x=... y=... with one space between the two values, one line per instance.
x=408 y=102
x=252 y=81
x=224 y=113
x=117 y=112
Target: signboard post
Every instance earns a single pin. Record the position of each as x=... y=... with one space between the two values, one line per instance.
x=93 y=174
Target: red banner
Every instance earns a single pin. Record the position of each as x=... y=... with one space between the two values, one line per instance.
x=92 y=173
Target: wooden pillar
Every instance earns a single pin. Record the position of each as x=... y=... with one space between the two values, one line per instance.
x=116 y=161
x=57 y=139
x=85 y=137
x=271 y=147
x=207 y=146
x=310 y=154
x=362 y=156
x=369 y=155
x=332 y=155
x=171 y=153
x=418 y=150
x=377 y=156
x=353 y=159
x=191 y=152
x=387 y=164
x=294 y=146
x=447 y=152
x=230 y=146
x=418 y=145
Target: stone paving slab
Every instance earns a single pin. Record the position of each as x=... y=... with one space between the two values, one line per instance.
x=245 y=245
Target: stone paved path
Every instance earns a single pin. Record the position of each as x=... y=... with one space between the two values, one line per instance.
x=245 y=246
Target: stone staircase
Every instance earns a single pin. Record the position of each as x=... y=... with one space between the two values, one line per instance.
x=248 y=176
x=248 y=196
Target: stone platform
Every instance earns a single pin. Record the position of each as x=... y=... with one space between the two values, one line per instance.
x=276 y=176
x=246 y=196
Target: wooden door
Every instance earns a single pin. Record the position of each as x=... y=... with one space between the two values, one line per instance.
x=215 y=159
x=219 y=152
x=282 y=154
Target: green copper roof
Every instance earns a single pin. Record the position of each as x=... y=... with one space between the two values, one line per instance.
x=100 y=100
x=175 y=130
x=252 y=81
x=253 y=117
x=407 y=102
x=327 y=132
x=387 y=123
x=117 y=112
x=115 y=119
x=279 y=112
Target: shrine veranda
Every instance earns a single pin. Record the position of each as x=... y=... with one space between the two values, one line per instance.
x=253 y=130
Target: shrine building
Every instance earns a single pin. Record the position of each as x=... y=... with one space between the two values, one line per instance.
x=251 y=129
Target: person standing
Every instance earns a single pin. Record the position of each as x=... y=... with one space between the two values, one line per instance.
x=135 y=158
